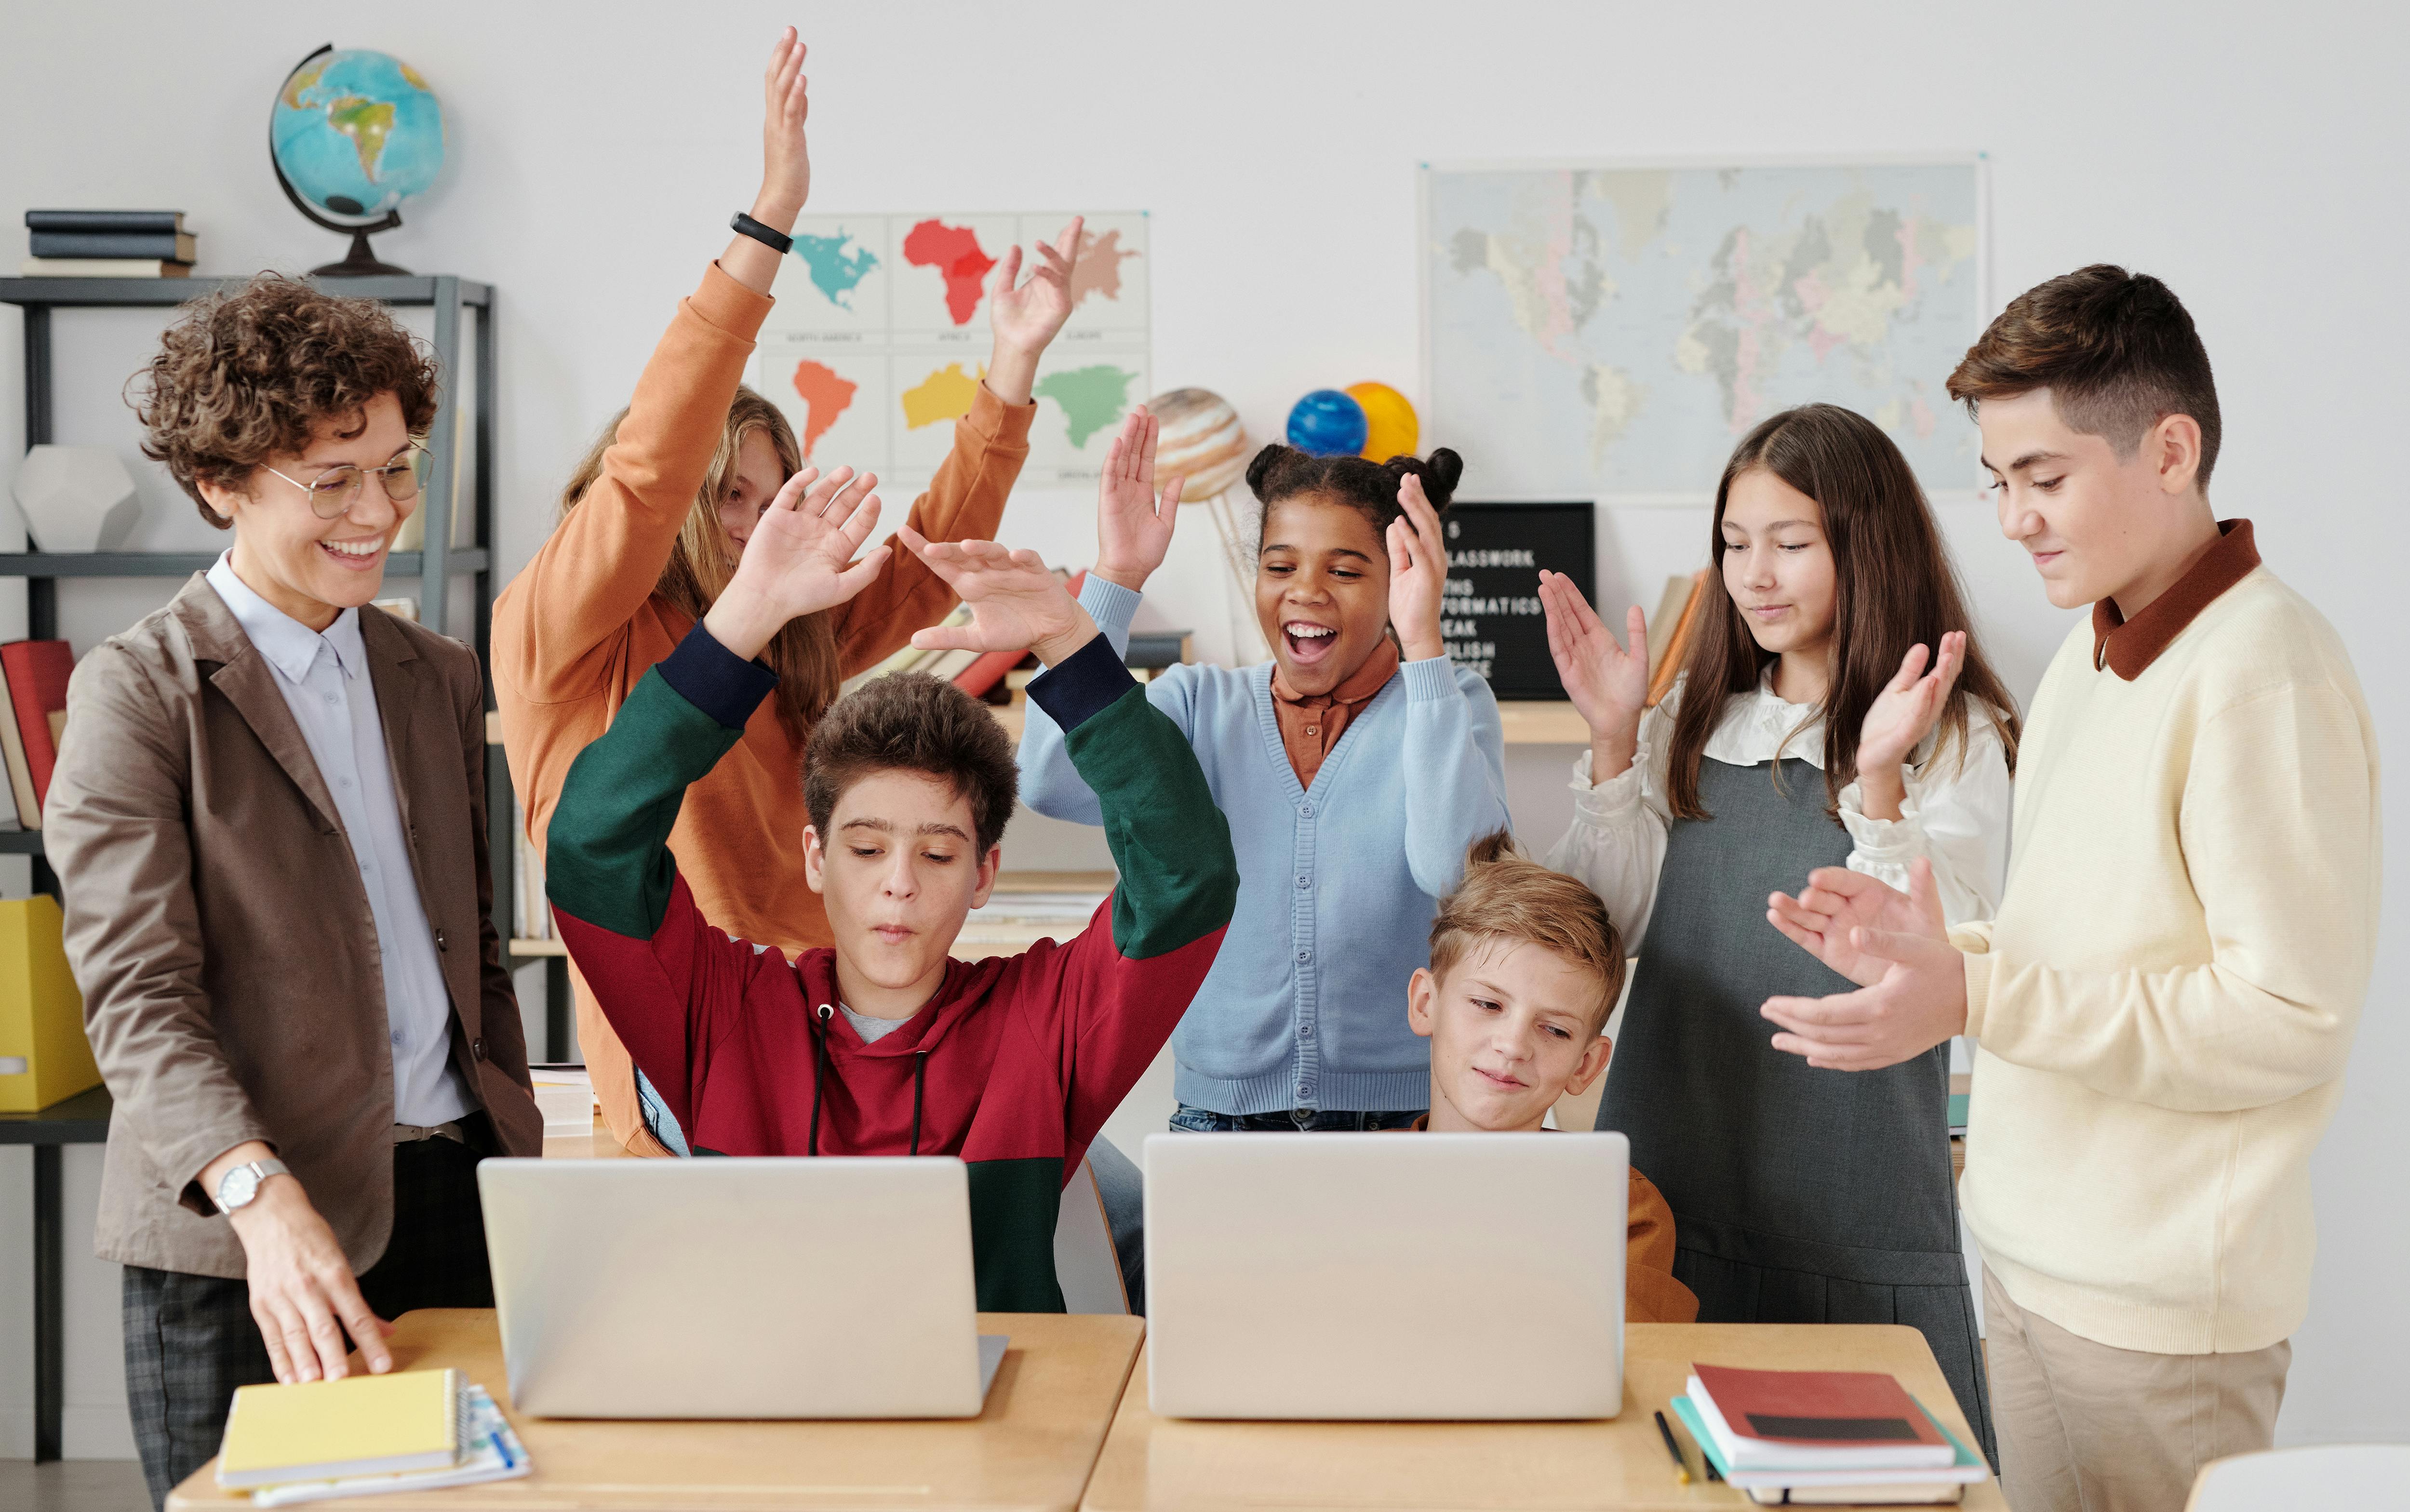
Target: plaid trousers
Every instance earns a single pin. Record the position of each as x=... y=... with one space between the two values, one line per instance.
x=190 y=1340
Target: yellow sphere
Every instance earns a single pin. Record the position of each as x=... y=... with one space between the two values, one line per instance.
x=1390 y=429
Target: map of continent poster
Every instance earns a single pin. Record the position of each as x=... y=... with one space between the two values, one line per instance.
x=1610 y=332
x=879 y=339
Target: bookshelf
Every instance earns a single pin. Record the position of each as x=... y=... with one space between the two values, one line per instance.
x=444 y=494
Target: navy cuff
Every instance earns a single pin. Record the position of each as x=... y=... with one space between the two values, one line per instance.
x=1081 y=685
x=716 y=679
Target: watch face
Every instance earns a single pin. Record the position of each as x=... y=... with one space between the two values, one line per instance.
x=240 y=1186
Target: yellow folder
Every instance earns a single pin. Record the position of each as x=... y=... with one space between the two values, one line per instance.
x=361 y=1425
x=44 y=1056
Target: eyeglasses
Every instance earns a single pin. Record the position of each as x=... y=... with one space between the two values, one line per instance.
x=338 y=489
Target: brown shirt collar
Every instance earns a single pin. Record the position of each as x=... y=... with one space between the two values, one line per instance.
x=2128 y=646
x=1361 y=684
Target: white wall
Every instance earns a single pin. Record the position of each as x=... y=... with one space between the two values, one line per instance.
x=598 y=151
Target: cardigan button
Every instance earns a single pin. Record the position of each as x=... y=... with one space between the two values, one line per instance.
x=1306 y=810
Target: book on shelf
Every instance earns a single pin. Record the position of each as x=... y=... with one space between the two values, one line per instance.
x=157 y=246
x=101 y=268
x=1672 y=629
x=167 y=221
x=1155 y=649
x=28 y=810
x=531 y=919
x=37 y=693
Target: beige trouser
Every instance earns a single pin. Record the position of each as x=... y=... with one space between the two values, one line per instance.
x=2086 y=1427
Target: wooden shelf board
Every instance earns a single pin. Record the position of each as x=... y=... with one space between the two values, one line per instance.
x=71 y=293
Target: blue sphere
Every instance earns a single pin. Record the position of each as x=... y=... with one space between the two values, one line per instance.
x=357 y=133
x=1328 y=423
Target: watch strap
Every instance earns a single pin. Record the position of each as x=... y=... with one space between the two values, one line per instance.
x=260 y=1171
x=744 y=225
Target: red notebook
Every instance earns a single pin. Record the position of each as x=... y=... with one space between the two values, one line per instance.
x=37 y=687
x=1829 y=1409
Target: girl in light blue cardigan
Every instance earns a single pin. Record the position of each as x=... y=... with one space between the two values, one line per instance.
x=1355 y=768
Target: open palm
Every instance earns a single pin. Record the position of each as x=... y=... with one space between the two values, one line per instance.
x=1904 y=713
x=1133 y=521
x=798 y=558
x=1607 y=684
x=1840 y=909
x=1016 y=602
x=1028 y=314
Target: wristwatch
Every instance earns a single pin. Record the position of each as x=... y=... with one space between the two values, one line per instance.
x=236 y=1187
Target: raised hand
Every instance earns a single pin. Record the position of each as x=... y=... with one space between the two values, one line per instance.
x=1025 y=314
x=1912 y=995
x=1417 y=573
x=786 y=163
x=1902 y=715
x=1839 y=907
x=796 y=560
x=1133 y=522
x=1607 y=685
x=1016 y=602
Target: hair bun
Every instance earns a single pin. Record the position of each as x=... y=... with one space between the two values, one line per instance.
x=1266 y=462
x=1438 y=472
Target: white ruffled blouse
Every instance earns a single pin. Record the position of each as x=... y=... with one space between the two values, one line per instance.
x=1955 y=813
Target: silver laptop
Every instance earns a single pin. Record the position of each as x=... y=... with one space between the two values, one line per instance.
x=737 y=1288
x=1449 y=1276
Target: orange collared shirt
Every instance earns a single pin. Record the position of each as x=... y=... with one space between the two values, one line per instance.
x=1311 y=725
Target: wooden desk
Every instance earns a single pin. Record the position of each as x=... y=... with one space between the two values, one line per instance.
x=1032 y=1449
x=1162 y=1465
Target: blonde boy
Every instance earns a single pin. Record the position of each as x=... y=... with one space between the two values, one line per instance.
x=1525 y=966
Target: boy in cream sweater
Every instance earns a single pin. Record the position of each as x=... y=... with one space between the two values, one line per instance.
x=2166 y=1000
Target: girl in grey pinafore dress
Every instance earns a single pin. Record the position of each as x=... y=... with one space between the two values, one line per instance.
x=1799 y=1195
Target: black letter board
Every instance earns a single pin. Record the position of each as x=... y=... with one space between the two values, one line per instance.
x=1491 y=618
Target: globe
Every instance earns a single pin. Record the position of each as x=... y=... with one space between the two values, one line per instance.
x=1326 y=423
x=353 y=134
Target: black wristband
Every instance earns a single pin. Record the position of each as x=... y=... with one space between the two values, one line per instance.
x=744 y=225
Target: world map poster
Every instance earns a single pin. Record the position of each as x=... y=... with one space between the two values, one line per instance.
x=880 y=336
x=1610 y=332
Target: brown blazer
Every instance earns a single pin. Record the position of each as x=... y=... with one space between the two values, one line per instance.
x=218 y=928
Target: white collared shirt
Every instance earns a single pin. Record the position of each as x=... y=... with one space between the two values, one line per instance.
x=1955 y=814
x=325 y=680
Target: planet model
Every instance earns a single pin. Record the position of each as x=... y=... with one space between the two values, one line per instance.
x=1390 y=428
x=354 y=134
x=1326 y=423
x=1201 y=439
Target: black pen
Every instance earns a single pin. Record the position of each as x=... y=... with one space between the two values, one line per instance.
x=1681 y=1466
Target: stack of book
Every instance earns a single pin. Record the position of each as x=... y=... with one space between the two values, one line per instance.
x=1674 y=627
x=364 y=1435
x=33 y=716
x=1818 y=1438
x=107 y=243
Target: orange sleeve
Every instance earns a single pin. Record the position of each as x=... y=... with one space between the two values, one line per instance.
x=964 y=501
x=1650 y=1293
x=559 y=624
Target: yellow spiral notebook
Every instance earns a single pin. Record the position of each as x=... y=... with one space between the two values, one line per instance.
x=361 y=1425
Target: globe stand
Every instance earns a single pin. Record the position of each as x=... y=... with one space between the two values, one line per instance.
x=362 y=261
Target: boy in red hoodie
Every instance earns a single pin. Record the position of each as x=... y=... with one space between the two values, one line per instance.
x=885 y=1045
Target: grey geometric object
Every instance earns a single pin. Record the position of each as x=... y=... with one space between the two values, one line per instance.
x=76 y=499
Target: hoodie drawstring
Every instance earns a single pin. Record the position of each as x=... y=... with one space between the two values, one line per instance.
x=920 y=1065
x=819 y=1074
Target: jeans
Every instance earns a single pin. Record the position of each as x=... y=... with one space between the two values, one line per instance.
x=1190 y=1120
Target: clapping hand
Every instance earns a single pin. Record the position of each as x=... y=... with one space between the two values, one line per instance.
x=1134 y=522
x=1016 y=602
x=1417 y=573
x=1912 y=982
x=1902 y=715
x=799 y=559
x=1607 y=685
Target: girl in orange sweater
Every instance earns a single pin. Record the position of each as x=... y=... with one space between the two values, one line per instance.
x=651 y=527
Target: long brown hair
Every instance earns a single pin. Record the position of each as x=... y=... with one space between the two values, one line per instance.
x=1894 y=587
x=804 y=652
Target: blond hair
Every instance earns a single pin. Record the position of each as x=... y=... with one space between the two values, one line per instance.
x=804 y=653
x=1506 y=896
